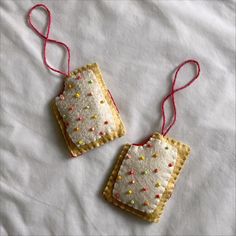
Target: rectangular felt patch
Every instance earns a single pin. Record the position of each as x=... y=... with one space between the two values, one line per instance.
x=144 y=176
x=86 y=111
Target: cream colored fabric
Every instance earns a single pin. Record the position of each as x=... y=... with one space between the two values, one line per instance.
x=84 y=109
x=144 y=174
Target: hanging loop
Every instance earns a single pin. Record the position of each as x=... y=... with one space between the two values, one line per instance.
x=47 y=39
x=174 y=90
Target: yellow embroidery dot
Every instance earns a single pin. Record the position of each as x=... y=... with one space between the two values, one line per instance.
x=129 y=192
x=81 y=142
x=119 y=177
x=92 y=129
x=132 y=202
x=142 y=158
x=155 y=155
x=158 y=184
x=90 y=81
x=77 y=95
x=70 y=86
x=102 y=101
x=94 y=117
x=87 y=107
x=145 y=172
x=146 y=203
x=76 y=129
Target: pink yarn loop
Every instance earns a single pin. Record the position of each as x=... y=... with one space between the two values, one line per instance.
x=174 y=90
x=47 y=39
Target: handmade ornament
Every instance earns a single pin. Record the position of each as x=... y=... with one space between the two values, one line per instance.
x=145 y=174
x=85 y=110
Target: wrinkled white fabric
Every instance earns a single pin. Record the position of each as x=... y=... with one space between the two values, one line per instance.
x=137 y=44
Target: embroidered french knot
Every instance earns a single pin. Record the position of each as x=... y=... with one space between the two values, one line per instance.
x=144 y=176
x=86 y=112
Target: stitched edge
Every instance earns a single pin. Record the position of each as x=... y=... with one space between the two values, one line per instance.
x=183 y=153
x=120 y=129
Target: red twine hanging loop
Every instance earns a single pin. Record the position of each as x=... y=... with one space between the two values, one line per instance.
x=172 y=93
x=47 y=39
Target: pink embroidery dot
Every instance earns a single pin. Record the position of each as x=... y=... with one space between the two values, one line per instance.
x=117 y=195
x=71 y=108
x=170 y=165
x=128 y=156
x=101 y=133
x=156 y=170
x=80 y=118
x=149 y=145
x=62 y=97
x=158 y=196
x=132 y=172
x=105 y=122
x=145 y=189
x=79 y=77
x=90 y=94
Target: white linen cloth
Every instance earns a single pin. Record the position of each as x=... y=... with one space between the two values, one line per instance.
x=137 y=44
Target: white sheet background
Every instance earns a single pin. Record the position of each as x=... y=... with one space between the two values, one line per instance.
x=137 y=45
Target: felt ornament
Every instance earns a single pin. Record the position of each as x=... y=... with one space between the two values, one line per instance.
x=85 y=110
x=145 y=174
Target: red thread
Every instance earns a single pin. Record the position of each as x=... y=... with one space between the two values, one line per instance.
x=113 y=101
x=142 y=143
x=175 y=90
x=47 y=39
